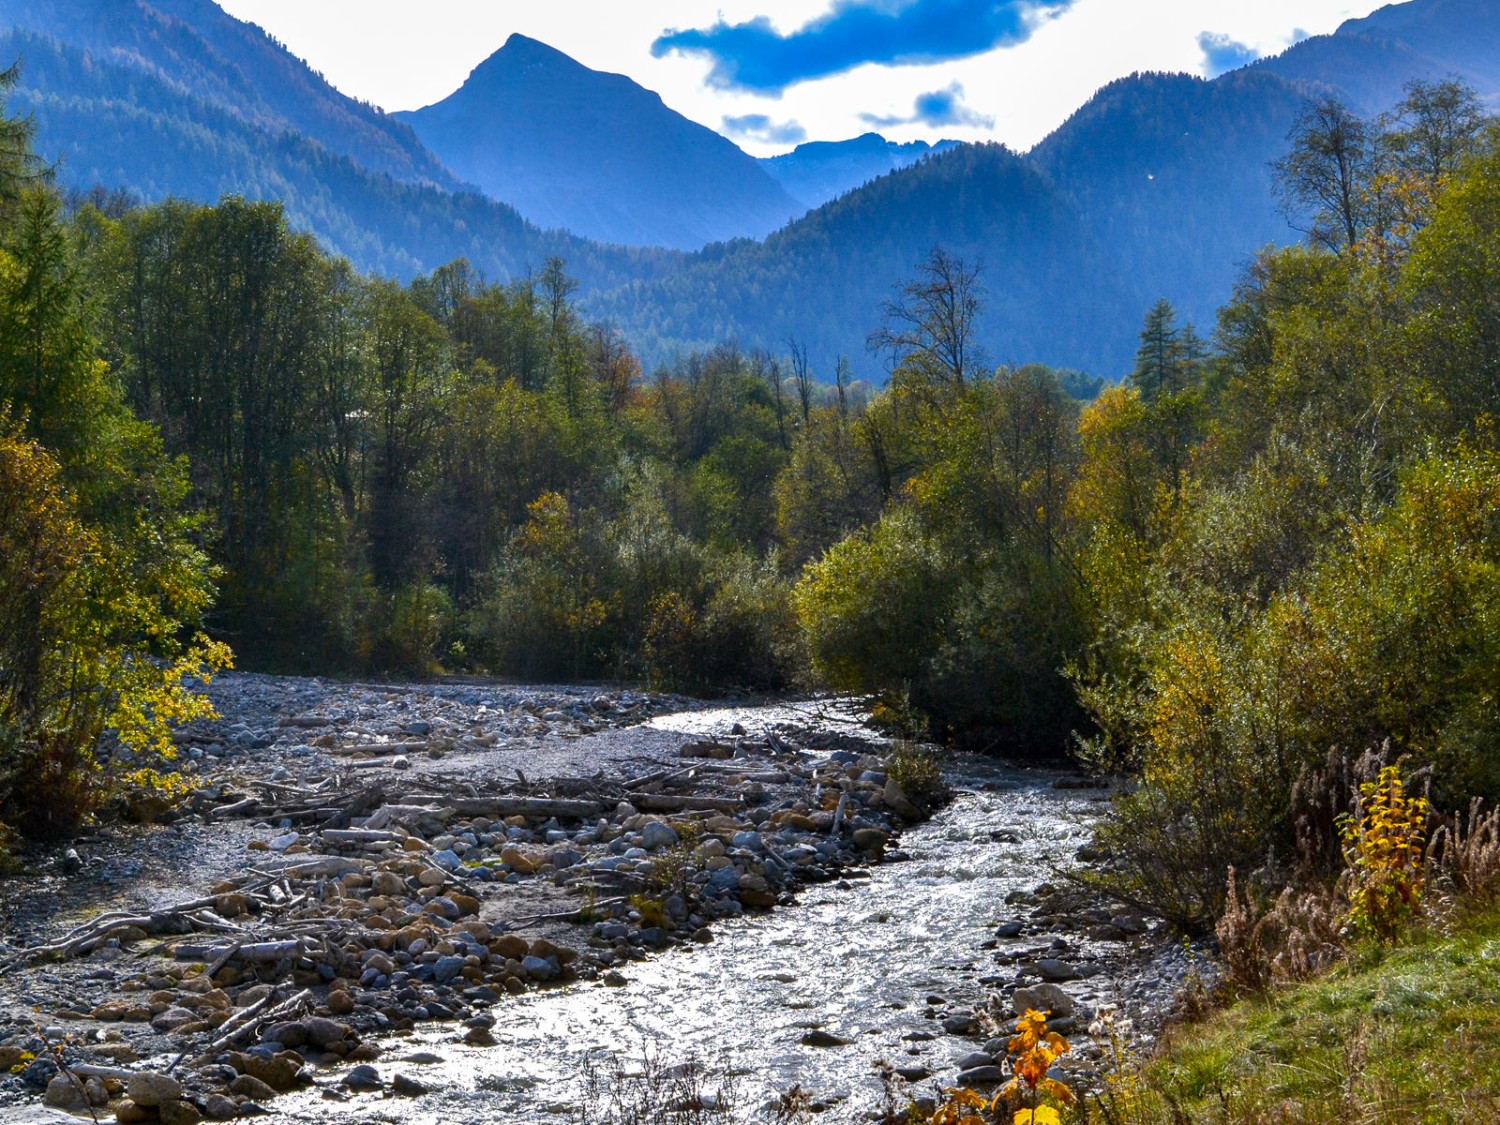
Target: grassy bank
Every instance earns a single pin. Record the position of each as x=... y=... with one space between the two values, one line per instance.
x=1408 y=1034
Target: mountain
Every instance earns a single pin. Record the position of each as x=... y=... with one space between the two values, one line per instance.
x=195 y=48
x=175 y=98
x=1426 y=39
x=1159 y=186
x=597 y=154
x=819 y=171
x=822 y=279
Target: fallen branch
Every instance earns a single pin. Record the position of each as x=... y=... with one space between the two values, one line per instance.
x=245 y=1023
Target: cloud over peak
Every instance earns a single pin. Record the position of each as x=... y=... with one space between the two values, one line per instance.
x=754 y=56
x=938 y=108
x=759 y=127
x=1222 y=54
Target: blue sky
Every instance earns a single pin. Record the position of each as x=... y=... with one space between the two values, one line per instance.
x=772 y=73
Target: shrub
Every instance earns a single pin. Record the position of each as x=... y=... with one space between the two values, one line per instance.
x=412 y=628
x=1384 y=841
x=84 y=648
x=918 y=771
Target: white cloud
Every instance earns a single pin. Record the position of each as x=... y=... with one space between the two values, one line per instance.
x=402 y=54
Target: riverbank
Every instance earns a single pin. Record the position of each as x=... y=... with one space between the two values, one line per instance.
x=1398 y=1035
x=391 y=880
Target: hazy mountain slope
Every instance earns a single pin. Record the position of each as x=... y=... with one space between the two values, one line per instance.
x=1366 y=62
x=1173 y=173
x=597 y=154
x=823 y=279
x=820 y=171
x=1160 y=185
x=1457 y=36
x=195 y=47
x=120 y=126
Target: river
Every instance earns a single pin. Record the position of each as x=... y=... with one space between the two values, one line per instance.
x=873 y=962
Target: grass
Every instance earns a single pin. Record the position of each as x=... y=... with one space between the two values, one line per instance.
x=1404 y=1035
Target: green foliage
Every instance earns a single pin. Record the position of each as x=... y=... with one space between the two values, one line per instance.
x=101 y=581
x=919 y=773
x=1401 y=1035
x=1316 y=574
x=79 y=631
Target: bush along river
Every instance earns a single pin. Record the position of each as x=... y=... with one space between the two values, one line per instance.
x=473 y=902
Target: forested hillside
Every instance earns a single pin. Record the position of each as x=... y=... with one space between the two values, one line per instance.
x=196 y=50
x=822 y=280
x=1160 y=187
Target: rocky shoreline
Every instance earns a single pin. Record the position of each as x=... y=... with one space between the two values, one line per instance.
x=361 y=862
x=415 y=855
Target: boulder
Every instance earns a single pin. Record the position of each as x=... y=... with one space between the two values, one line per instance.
x=179 y=1113
x=249 y=1086
x=65 y=1093
x=541 y=969
x=1047 y=998
x=149 y=1088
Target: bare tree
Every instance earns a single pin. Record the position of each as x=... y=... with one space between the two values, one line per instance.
x=929 y=328
x=802 y=372
x=1322 y=182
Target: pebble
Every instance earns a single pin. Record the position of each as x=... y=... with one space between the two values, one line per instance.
x=1051 y=968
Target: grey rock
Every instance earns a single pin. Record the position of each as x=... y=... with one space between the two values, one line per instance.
x=38 y=1115
x=895 y=798
x=961 y=1023
x=363 y=1077
x=323 y=1032
x=656 y=835
x=65 y=1093
x=148 y=1088
x=981 y=1076
x=1053 y=969
x=817 y=1037
x=173 y=1018
x=406 y=1087
x=541 y=969
x=1043 y=998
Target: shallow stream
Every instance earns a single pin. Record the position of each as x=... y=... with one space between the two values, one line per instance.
x=871 y=961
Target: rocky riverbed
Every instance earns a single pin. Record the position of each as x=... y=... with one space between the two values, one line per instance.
x=377 y=885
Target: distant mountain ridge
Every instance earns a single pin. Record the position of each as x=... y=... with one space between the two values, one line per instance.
x=1159 y=186
x=194 y=47
x=597 y=154
x=819 y=171
x=176 y=98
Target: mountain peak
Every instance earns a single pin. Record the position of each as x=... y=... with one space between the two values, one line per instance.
x=597 y=154
x=524 y=60
x=523 y=48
